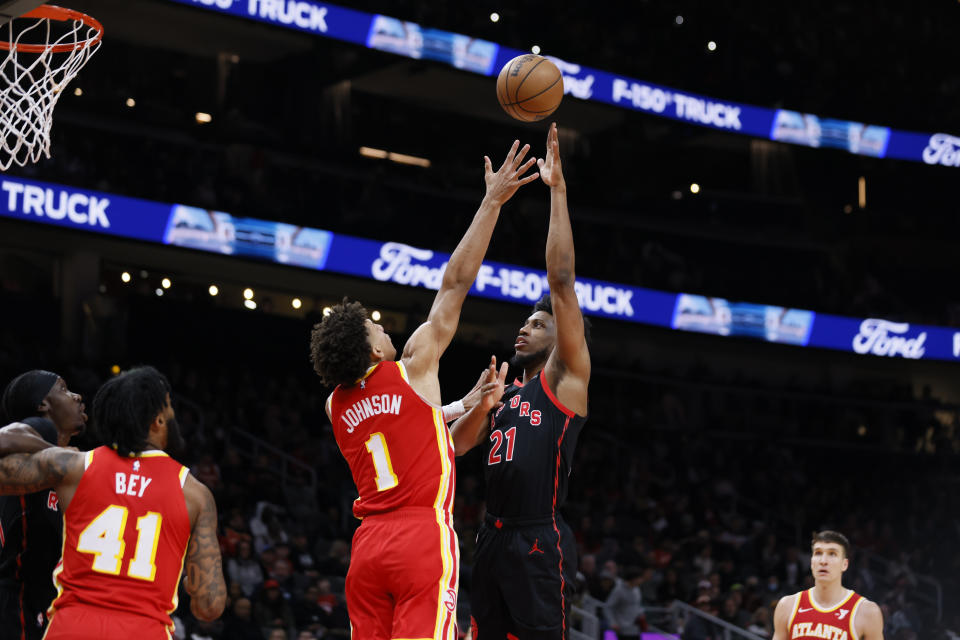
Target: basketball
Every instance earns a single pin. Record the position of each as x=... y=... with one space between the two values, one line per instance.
x=529 y=88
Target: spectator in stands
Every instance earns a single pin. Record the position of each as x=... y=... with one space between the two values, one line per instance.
x=271 y=610
x=245 y=569
x=761 y=623
x=238 y=623
x=699 y=628
x=233 y=532
x=623 y=608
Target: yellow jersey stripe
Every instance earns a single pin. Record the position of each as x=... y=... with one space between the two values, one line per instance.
x=813 y=602
x=853 y=619
x=183 y=476
x=88 y=460
x=403 y=371
x=793 y=614
x=442 y=510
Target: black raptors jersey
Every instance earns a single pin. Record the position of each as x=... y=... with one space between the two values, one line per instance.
x=31 y=539
x=529 y=451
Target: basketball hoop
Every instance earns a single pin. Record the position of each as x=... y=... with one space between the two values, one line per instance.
x=45 y=49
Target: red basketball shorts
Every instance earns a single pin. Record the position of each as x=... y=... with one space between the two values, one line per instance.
x=79 y=622
x=403 y=577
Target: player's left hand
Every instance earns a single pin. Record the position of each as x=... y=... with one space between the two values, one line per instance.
x=493 y=385
x=551 y=171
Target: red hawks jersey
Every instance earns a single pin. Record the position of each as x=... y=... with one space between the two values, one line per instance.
x=812 y=620
x=399 y=449
x=125 y=536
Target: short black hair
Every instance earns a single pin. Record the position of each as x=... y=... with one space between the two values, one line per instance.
x=125 y=407
x=340 y=346
x=834 y=537
x=546 y=304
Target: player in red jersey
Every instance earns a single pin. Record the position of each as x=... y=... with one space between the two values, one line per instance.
x=828 y=610
x=132 y=516
x=387 y=420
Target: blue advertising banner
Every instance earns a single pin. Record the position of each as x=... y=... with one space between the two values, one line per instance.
x=487 y=58
x=393 y=262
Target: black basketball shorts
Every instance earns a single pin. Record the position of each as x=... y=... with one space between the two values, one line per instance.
x=523 y=578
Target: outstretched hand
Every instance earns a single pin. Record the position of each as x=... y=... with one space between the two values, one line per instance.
x=551 y=171
x=493 y=385
x=472 y=398
x=504 y=182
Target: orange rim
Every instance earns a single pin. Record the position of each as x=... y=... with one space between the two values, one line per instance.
x=52 y=12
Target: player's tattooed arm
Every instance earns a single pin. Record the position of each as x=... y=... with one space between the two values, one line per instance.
x=21 y=438
x=205 y=583
x=26 y=473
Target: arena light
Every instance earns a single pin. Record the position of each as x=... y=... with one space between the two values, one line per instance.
x=250 y=304
x=694 y=188
x=711 y=46
x=535 y=49
x=494 y=17
x=131 y=102
x=165 y=283
x=78 y=92
x=213 y=290
x=125 y=276
x=159 y=292
x=375 y=316
x=296 y=303
x=402 y=158
x=327 y=311
x=678 y=20
x=248 y=293
x=115 y=369
x=203 y=118
x=370 y=152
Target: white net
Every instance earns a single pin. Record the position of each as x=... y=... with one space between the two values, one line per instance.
x=45 y=50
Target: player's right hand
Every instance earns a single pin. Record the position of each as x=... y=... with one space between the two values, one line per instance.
x=504 y=182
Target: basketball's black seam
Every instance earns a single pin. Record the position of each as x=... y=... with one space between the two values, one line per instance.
x=540 y=93
x=516 y=98
x=507 y=105
x=535 y=95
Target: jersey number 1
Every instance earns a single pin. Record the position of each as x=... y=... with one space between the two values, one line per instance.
x=377 y=446
x=103 y=538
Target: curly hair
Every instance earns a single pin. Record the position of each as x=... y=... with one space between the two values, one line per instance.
x=126 y=406
x=546 y=304
x=339 y=345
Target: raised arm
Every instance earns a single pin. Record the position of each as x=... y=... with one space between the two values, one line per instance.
x=568 y=368
x=421 y=355
x=470 y=429
x=205 y=583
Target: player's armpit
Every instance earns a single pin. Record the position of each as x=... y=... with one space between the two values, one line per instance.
x=205 y=583
x=26 y=473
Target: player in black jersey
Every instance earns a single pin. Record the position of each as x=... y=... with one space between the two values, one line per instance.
x=31 y=526
x=525 y=560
